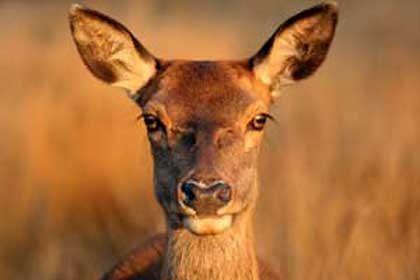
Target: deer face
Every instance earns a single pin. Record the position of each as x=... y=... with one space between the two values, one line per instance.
x=205 y=120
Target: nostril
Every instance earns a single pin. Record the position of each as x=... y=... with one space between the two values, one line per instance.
x=224 y=193
x=189 y=195
x=204 y=199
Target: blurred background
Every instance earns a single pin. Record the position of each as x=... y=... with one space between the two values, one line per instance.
x=340 y=170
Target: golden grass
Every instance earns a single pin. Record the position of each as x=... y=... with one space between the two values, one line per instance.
x=340 y=170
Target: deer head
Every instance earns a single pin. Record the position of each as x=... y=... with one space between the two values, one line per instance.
x=205 y=119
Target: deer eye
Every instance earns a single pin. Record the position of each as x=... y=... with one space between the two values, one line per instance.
x=152 y=123
x=258 y=122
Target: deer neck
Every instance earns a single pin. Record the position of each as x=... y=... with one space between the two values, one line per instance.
x=230 y=255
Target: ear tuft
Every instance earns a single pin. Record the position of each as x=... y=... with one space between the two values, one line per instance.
x=333 y=5
x=75 y=8
x=297 y=48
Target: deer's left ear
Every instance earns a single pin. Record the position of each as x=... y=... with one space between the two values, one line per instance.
x=297 y=48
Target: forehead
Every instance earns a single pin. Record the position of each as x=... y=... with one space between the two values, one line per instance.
x=208 y=91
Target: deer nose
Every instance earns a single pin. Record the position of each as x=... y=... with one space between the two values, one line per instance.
x=205 y=200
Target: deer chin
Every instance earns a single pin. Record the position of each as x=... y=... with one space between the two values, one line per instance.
x=209 y=225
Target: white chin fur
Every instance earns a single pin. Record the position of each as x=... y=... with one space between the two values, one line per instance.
x=207 y=225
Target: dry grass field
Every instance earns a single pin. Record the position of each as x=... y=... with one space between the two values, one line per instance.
x=340 y=169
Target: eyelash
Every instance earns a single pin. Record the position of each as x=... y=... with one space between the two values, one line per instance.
x=258 y=122
x=153 y=126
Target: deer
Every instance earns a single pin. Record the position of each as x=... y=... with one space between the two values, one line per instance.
x=205 y=122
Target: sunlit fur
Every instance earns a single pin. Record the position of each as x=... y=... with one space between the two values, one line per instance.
x=204 y=111
x=216 y=257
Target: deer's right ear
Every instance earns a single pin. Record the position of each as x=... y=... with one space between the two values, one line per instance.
x=110 y=51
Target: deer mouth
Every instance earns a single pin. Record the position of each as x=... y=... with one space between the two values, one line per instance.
x=207 y=225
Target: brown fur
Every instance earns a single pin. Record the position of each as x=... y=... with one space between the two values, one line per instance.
x=145 y=263
x=204 y=124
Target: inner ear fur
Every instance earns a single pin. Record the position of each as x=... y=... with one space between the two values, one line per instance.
x=297 y=48
x=110 y=50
